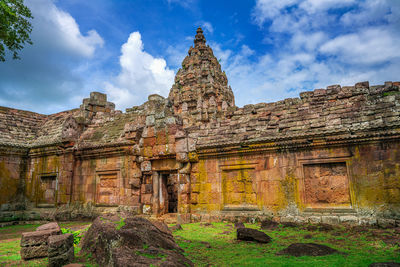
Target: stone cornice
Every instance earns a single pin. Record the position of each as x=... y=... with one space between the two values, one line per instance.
x=104 y=151
x=279 y=144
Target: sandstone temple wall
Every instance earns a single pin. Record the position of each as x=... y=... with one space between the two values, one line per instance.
x=332 y=155
x=13 y=163
x=356 y=183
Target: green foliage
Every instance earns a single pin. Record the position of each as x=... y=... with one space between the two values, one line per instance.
x=77 y=234
x=120 y=223
x=391 y=93
x=15 y=27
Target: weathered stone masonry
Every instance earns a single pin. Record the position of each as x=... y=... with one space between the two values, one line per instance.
x=332 y=155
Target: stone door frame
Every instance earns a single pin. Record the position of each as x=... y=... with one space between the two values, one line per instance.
x=157 y=189
x=39 y=181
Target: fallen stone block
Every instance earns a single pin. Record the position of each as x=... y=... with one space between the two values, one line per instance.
x=248 y=234
x=269 y=224
x=307 y=249
x=49 y=226
x=35 y=244
x=60 y=250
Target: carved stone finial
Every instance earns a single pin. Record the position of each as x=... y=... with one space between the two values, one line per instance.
x=199 y=38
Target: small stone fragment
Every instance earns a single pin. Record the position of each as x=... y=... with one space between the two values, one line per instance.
x=268 y=225
x=307 y=249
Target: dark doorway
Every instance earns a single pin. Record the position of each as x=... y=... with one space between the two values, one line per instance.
x=169 y=193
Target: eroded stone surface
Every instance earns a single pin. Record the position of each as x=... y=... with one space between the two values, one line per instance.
x=131 y=241
x=35 y=244
x=307 y=249
x=61 y=250
x=249 y=234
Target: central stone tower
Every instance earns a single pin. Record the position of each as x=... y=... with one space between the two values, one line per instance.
x=201 y=88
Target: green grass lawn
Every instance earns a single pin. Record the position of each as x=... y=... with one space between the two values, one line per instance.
x=216 y=245
x=359 y=249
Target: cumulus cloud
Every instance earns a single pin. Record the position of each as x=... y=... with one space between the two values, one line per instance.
x=316 y=47
x=141 y=74
x=55 y=65
x=369 y=46
x=61 y=31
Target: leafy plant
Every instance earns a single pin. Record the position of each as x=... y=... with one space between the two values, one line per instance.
x=15 y=27
x=77 y=234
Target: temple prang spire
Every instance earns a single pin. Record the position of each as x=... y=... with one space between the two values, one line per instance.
x=201 y=89
x=199 y=39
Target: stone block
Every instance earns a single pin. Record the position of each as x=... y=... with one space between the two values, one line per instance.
x=181 y=145
x=350 y=219
x=35 y=244
x=330 y=219
x=150 y=120
x=191 y=144
x=135 y=182
x=314 y=219
x=61 y=249
x=367 y=221
x=182 y=157
x=34 y=252
x=50 y=226
x=386 y=223
x=37 y=238
x=145 y=166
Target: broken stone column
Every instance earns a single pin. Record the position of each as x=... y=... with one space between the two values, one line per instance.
x=61 y=250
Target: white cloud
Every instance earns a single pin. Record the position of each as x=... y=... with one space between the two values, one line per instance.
x=207 y=26
x=269 y=9
x=141 y=74
x=315 y=47
x=312 y=6
x=60 y=30
x=368 y=46
x=57 y=65
x=308 y=42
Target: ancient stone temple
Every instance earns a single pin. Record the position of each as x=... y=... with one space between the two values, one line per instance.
x=332 y=155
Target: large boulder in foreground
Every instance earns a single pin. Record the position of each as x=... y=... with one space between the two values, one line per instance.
x=131 y=241
x=248 y=234
x=307 y=249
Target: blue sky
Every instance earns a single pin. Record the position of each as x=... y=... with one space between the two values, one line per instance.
x=270 y=49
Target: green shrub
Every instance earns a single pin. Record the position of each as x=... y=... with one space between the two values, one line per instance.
x=77 y=234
